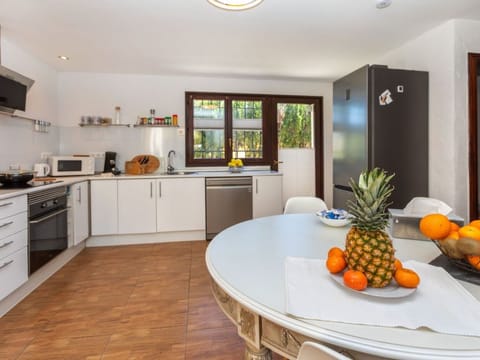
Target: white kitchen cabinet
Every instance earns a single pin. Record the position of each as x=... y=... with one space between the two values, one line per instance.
x=104 y=207
x=267 y=196
x=79 y=208
x=137 y=206
x=180 y=204
x=13 y=244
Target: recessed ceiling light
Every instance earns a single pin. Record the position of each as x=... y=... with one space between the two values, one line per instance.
x=63 y=57
x=235 y=4
x=382 y=4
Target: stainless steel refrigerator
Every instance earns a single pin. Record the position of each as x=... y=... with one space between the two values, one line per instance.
x=380 y=119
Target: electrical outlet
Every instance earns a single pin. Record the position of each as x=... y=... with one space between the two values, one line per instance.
x=181 y=132
x=97 y=154
x=45 y=155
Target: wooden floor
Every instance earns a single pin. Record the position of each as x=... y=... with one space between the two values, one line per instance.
x=125 y=302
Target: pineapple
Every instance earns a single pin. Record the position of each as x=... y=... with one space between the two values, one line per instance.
x=368 y=247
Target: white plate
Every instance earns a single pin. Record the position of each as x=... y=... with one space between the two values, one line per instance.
x=391 y=291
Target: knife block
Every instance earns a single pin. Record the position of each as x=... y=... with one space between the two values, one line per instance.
x=134 y=168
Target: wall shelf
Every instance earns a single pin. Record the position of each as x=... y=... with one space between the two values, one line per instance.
x=38 y=125
x=104 y=125
x=155 y=125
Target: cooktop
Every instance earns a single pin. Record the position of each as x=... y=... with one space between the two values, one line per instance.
x=30 y=184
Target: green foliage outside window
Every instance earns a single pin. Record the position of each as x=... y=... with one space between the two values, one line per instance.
x=295 y=125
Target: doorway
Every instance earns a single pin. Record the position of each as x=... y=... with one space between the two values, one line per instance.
x=474 y=128
x=299 y=145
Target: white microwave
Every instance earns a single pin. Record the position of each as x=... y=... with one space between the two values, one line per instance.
x=71 y=165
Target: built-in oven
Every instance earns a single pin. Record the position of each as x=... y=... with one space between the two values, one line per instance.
x=48 y=233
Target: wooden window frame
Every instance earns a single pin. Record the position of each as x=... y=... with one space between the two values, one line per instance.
x=228 y=128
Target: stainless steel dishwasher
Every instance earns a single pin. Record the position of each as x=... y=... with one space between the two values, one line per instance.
x=228 y=202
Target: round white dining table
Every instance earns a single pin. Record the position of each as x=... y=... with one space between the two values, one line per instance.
x=246 y=263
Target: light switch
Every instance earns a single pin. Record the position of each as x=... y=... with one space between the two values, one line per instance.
x=181 y=132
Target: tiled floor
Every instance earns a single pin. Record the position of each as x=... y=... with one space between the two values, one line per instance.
x=126 y=302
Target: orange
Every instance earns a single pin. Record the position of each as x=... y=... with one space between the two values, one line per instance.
x=398 y=264
x=355 y=279
x=454 y=226
x=475 y=223
x=407 y=278
x=474 y=260
x=469 y=231
x=335 y=251
x=453 y=235
x=435 y=226
x=336 y=264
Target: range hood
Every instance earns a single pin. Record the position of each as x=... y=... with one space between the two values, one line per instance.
x=17 y=78
x=21 y=81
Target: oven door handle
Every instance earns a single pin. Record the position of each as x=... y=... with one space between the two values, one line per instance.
x=47 y=217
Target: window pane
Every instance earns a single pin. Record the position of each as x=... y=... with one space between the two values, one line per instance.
x=295 y=122
x=247 y=144
x=209 y=109
x=208 y=144
x=209 y=129
x=247 y=130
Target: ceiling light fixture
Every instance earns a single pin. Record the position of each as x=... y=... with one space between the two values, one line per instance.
x=63 y=57
x=382 y=4
x=235 y=4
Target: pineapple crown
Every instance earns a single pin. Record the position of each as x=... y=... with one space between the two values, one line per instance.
x=371 y=200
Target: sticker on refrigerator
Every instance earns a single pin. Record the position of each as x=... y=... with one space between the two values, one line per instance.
x=385 y=98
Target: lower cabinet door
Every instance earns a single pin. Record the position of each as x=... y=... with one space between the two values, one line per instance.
x=104 y=207
x=181 y=204
x=80 y=206
x=136 y=206
x=13 y=271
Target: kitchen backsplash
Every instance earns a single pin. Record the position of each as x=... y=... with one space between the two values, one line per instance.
x=20 y=145
x=126 y=142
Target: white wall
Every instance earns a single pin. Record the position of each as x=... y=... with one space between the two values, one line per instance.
x=467 y=39
x=433 y=52
x=98 y=94
x=19 y=144
x=443 y=52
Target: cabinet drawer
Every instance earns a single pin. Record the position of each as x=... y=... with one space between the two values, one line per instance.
x=13 y=224
x=13 y=272
x=12 y=206
x=12 y=243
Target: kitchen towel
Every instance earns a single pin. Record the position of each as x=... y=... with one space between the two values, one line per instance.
x=440 y=303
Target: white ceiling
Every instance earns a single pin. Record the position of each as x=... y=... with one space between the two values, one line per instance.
x=320 y=39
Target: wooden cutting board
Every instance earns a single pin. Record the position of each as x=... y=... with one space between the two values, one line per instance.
x=149 y=163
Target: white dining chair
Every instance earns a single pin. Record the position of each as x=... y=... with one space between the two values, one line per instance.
x=304 y=205
x=313 y=351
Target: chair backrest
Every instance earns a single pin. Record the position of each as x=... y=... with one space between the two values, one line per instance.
x=304 y=205
x=313 y=351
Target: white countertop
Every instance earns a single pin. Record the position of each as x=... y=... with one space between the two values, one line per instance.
x=247 y=261
x=68 y=180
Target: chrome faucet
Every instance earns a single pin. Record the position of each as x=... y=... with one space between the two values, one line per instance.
x=170 y=168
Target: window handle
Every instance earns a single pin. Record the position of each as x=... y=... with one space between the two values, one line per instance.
x=230 y=142
x=276 y=162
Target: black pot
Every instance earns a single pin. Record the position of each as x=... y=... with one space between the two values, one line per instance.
x=16 y=176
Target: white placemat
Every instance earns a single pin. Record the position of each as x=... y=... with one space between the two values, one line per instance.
x=440 y=303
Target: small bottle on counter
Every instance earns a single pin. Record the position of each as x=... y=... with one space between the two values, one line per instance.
x=116 y=118
x=175 y=120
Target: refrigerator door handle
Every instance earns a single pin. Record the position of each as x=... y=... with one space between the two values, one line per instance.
x=343 y=187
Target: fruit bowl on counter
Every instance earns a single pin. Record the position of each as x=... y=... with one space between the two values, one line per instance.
x=235 y=165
